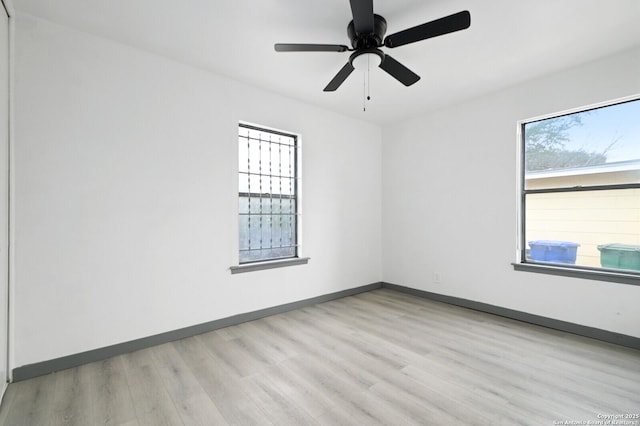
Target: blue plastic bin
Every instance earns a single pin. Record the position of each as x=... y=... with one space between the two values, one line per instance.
x=553 y=251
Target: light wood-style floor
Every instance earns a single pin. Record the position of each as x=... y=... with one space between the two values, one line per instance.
x=381 y=357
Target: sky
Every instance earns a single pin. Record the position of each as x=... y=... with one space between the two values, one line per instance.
x=602 y=126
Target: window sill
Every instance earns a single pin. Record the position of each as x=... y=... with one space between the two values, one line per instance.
x=271 y=264
x=609 y=275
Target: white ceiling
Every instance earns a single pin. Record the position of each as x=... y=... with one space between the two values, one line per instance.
x=509 y=41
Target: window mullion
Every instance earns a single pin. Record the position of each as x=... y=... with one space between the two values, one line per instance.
x=582 y=188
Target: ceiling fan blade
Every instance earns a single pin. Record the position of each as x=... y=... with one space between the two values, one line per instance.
x=398 y=71
x=339 y=78
x=298 y=47
x=448 y=24
x=362 y=11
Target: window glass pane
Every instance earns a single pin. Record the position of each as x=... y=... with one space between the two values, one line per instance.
x=265 y=158
x=265 y=181
x=256 y=205
x=595 y=147
x=287 y=205
x=254 y=134
x=243 y=205
x=243 y=155
x=288 y=230
x=267 y=254
x=287 y=186
x=279 y=253
x=592 y=220
x=254 y=155
x=243 y=183
x=250 y=256
x=255 y=231
x=286 y=163
x=276 y=153
x=244 y=232
x=275 y=185
x=255 y=184
x=276 y=231
x=266 y=203
x=287 y=140
x=267 y=235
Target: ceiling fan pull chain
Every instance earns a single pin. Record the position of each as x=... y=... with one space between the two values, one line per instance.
x=366 y=85
x=364 y=92
x=368 y=77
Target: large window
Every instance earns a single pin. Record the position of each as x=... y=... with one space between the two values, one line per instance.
x=581 y=189
x=268 y=203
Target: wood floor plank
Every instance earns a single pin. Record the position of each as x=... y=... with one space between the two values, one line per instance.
x=221 y=383
x=267 y=346
x=419 y=410
x=334 y=393
x=74 y=405
x=233 y=354
x=276 y=403
x=293 y=388
x=34 y=402
x=153 y=405
x=111 y=398
x=190 y=399
x=7 y=401
x=341 y=351
x=485 y=405
x=380 y=357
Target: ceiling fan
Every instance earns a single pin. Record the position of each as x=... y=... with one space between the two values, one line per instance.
x=366 y=32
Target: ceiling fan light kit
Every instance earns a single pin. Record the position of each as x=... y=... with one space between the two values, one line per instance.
x=366 y=32
x=365 y=59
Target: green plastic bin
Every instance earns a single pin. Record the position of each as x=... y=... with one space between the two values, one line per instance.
x=620 y=256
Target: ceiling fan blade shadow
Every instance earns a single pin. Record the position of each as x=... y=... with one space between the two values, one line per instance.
x=362 y=11
x=300 y=47
x=448 y=24
x=398 y=71
x=339 y=78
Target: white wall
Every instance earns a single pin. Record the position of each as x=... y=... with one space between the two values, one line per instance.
x=126 y=177
x=449 y=200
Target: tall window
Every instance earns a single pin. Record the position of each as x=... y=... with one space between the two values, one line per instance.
x=581 y=189
x=267 y=194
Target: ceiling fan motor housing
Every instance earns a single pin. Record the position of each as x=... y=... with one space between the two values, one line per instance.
x=368 y=41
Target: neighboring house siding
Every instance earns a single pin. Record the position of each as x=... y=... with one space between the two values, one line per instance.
x=608 y=178
x=589 y=218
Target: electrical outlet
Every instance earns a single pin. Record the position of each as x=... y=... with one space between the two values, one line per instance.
x=436 y=278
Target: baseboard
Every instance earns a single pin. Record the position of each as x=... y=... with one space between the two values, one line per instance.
x=45 y=367
x=581 y=330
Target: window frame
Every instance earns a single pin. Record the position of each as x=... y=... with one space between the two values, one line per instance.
x=270 y=263
x=621 y=276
